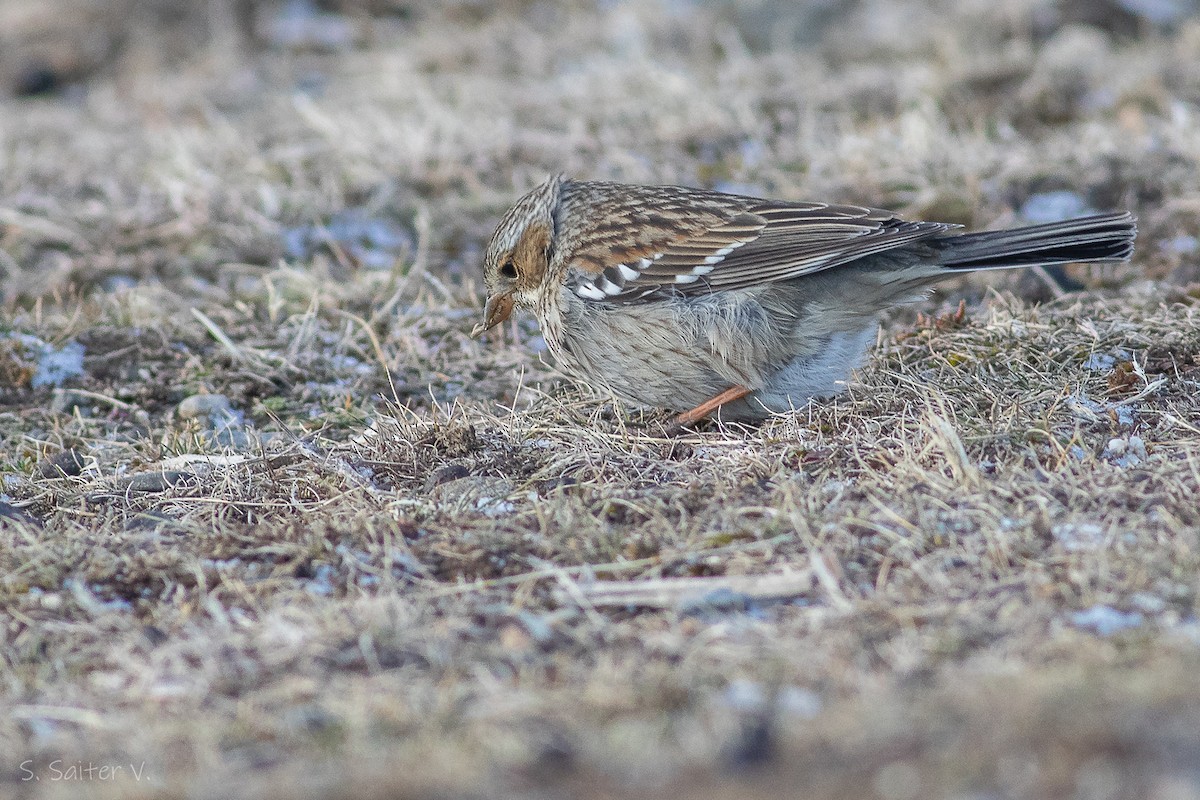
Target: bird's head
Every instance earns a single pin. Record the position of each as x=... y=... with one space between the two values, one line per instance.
x=517 y=261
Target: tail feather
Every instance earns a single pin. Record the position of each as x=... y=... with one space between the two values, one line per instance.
x=1103 y=237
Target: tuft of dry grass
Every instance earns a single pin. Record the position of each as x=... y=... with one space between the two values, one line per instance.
x=287 y=530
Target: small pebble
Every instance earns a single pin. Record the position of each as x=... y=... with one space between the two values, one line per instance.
x=10 y=512
x=156 y=481
x=65 y=464
x=211 y=409
x=1148 y=603
x=1079 y=536
x=445 y=474
x=1106 y=620
x=67 y=401
x=217 y=415
x=1054 y=207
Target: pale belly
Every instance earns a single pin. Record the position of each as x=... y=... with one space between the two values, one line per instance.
x=677 y=356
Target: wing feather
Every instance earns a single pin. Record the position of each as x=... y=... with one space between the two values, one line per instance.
x=694 y=242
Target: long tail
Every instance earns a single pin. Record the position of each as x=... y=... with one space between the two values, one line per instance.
x=1104 y=237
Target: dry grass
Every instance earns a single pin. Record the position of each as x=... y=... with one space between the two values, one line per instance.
x=395 y=561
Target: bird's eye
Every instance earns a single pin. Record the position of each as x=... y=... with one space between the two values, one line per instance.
x=508 y=269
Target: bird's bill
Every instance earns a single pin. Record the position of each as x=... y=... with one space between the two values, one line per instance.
x=498 y=308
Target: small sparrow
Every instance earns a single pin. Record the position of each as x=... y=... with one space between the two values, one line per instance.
x=703 y=302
